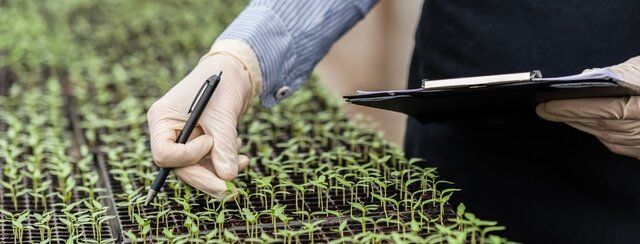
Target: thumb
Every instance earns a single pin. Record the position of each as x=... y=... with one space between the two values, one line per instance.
x=168 y=154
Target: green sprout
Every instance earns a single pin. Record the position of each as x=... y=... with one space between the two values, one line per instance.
x=264 y=184
x=17 y=223
x=342 y=227
x=43 y=224
x=277 y=212
x=311 y=228
x=251 y=221
x=144 y=226
x=364 y=210
x=13 y=184
x=320 y=186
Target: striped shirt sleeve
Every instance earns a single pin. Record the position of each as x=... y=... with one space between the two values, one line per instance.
x=289 y=37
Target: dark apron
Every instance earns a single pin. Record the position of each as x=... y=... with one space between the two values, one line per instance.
x=545 y=181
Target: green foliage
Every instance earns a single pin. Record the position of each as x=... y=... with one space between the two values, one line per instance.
x=80 y=75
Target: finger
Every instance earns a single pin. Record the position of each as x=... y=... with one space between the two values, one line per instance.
x=590 y=108
x=615 y=147
x=243 y=161
x=631 y=151
x=623 y=126
x=545 y=112
x=166 y=153
x=221 y=118
x=608 y=136
x=164 y=127
x=206 y=162
x=619 y=139
x=197 y=131
x=164 y=124
x=202 y=179
x=221 y=124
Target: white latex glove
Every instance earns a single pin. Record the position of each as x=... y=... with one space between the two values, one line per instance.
x=614 y=121
x=210 y=157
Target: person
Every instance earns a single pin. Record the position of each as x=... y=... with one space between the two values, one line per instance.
x=545 y=181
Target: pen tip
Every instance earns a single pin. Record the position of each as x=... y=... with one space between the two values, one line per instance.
x=150 y=195
x=220 y=73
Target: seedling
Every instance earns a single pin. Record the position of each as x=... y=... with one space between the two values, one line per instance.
x=300 y=192
x=98 y=217
x=133 y=237
x=251 y=220
x=35 y=174
x=277 y=212
x=144 y=226
x=168 y=233
x=43 y=225
x=13 y=184
x=17 y=223
x=220 y=221
x=320 y=186
x=303 y=214
x=133 y=201
x=303 y=145
x=264 y=186
x=341 y=228
x=161 y=216
x=230 y=237
x=310 y=228
x=364 y=209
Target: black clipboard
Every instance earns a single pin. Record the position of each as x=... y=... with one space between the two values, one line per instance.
x=495 y=96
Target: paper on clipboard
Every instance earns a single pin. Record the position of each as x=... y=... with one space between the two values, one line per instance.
x=482 y=96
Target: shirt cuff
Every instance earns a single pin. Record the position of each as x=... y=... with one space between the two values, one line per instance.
x=241 y=51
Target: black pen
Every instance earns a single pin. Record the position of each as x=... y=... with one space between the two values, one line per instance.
x=196 y=109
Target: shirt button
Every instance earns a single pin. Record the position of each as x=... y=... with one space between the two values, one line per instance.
x=283 y=92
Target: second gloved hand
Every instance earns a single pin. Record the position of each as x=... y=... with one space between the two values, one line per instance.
x=614 y=121
x=210 y=157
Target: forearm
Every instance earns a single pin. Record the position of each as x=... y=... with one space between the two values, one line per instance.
x=290 y=37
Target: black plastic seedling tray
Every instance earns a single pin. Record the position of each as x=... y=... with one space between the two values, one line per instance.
x=235 y=223
x=59 y=231
x=116 y=228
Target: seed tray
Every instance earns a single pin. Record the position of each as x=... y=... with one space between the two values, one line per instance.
x=263 y=166
x=234 y=222
x=127 y=60
x=114 y=228
x=59 y=231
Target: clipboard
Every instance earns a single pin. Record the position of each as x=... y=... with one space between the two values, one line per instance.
x=492 y=95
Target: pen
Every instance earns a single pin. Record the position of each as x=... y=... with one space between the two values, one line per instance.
x=195 y=110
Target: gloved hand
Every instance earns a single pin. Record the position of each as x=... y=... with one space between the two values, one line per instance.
x=210 y=157
x=614 y=121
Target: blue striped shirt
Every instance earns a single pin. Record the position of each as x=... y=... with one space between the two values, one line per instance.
x=289 y=37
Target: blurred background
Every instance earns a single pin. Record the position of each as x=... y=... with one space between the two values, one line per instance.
x=375 y=55
x=148 y=45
